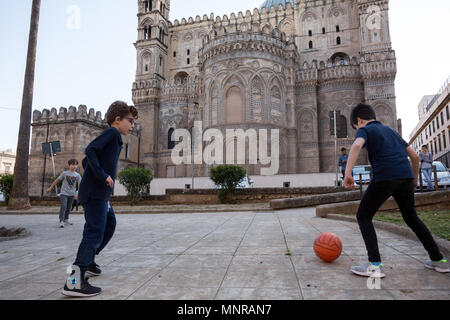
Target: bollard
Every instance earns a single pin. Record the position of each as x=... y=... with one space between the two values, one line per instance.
x=360 y=185
x=420 y=180
x=436 y=185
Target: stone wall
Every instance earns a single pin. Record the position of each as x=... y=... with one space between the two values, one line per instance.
x=75 y=129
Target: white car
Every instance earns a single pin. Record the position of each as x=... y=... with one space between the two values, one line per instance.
x=365 y=175
x=443 y=176
x=245 y=183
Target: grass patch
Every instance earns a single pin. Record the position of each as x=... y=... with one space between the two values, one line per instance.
x=437 y=221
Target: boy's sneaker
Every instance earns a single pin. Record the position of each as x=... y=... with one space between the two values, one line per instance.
x=369 y=270
x=93 y=270
x=61 y=224
x=68 y=222
x=77 y=287
x=439 y=266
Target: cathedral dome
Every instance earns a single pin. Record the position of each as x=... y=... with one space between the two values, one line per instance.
x=275 y=3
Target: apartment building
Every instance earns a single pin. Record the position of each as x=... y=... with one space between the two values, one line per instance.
x=433 y=128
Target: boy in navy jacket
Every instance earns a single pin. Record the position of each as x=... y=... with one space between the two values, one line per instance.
x=96 y=186
x=392 y=176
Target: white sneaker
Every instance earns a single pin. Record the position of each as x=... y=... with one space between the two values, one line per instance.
x=68 y=222
x=61 y=224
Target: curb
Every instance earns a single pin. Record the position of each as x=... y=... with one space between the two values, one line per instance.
x=443 y=244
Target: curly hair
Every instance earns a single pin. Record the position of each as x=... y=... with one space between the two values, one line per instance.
x=120 y=109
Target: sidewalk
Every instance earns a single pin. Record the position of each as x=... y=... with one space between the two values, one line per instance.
x=244 y=207
x=221 y=255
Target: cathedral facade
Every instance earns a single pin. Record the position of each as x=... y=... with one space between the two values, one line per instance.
x=287 y=65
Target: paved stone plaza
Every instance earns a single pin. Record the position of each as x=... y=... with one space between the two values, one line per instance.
x=225 y=256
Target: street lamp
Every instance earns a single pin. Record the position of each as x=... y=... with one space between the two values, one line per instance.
x=335 y=148
x=193 y=144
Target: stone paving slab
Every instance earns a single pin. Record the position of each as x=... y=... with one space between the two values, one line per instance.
x=156 y=209
x=217 y=255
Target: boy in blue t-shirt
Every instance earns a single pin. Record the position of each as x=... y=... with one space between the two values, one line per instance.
x=392 y=176
x=100 y=167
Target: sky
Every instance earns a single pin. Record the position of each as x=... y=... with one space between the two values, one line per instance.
x=91 y=60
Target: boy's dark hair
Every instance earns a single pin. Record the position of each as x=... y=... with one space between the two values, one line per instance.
x=362 y=111
x=73 y=162
x=425 y=146
x=120 y=109
x=343 y=149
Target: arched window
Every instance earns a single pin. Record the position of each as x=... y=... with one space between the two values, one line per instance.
x=257 y=101
x=338 y=29
x=234 y=105
x=214 y=104
x=310 y=33
x=323 y=30
x=275 y=113
x=147 y=32
x=146 y=60
x=341 y=125
x=127 y=151
x=310 y=44
x=170 y=142
x=148 y=5
x=181 y=77
x=338 y=40
x=339 y=58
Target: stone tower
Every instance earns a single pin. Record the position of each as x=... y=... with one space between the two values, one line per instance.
x=378 y=62
x=152 y=50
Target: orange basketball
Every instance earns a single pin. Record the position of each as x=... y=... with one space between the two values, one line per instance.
x=328 y=247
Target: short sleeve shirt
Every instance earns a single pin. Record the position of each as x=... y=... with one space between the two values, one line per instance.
x=69 y=185
x=387 y=152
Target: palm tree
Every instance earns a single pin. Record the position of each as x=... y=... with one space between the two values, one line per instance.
x=19 y=194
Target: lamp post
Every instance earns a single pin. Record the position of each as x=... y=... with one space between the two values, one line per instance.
x=335 y=148
x=193 y=143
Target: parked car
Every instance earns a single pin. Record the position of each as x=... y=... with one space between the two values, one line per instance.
x=245 y=183
x=2 y=198
x=365 y=174
x=443 y=176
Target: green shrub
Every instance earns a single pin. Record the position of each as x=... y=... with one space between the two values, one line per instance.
x=227 y=177
x=135 y=181
x=59 y=184
x=6 y=184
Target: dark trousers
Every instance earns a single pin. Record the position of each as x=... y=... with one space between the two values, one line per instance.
x=403 y=193
x=98 y=231
x=66 y=206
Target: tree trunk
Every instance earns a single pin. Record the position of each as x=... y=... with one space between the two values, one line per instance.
x=19 y=194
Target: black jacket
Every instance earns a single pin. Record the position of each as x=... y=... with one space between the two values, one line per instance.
x=102 y=156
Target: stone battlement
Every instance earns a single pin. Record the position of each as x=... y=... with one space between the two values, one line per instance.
x=68 y=115
x=256 y=16
x=72 y=115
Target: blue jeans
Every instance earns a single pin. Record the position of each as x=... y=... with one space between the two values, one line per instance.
x=427 y=174
x=98 y=231
x=66 y=207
